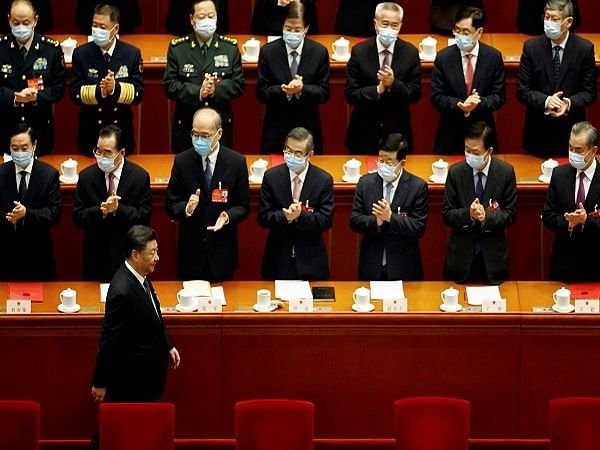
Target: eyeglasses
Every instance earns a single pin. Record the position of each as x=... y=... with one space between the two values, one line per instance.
x=97 y=151
x=198 y=135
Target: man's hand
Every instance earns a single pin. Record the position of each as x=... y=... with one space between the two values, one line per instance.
x=98 y=394
x=110 y=206
x=27 y=95
x=385 y=75
x=208 y=86
x=17 y=213
x=579 y=216
x=107 y=84
x=477 y=211
x=293 y=87
x=556 y=105
x=471 y=103
x=293 y=212
x=174 y=358
x=192 y=203
x=222 y=220
x=382 y=211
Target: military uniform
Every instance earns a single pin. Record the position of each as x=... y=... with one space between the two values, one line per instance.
x=186 y=66
x=44 y=62
x=89 y=68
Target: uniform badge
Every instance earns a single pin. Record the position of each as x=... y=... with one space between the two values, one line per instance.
x=7 y=68
x=123 y=72
x=221 y=61
x=92 y=73
x=40 y=64
x=188 y=68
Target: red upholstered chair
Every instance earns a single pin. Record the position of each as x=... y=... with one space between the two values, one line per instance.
x=432 y=423
x=19 y=425
x=274 y=425
x=137 y=426
x=575 y=423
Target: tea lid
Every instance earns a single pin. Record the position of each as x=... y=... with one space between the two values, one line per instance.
x=563 y=291
x=362 y=291
x=70 y=162
x=429 y=40
x=341 y=40
x=550 y=163
x=68 y=292
x=440 y=163
x=451 y=291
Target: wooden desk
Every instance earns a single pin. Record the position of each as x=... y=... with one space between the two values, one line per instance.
x=352 y=366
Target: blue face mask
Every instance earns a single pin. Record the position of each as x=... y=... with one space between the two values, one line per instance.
x=22 y=33
x=293 y=39
x=464 y=43
x=202 y=145
x=101 y=37
x=387 y=36
x=577 y=160
x=387 y=172
x=205 y=28
x=106 y=163
x=22 y=159
x=552 y=29
x=295 y=163
x=476 y=162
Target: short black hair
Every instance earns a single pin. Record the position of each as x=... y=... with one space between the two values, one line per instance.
x=194 y=3
x=23 y=127
x=137 y=238
x=481 y=130
x=295 y=10
x=103 y=9
x=395 y=143
x=109 y=131
x=303 y=135
x=476 y=15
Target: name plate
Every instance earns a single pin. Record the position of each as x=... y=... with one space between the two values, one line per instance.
x=587 y=306
x=209 y=305
x=301 y=305
x=18 y=306
x=395 y=305
x=493 y=305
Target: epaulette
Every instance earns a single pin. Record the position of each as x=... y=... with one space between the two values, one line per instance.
x=229 y=39
x=50 y=41
x=179 y=40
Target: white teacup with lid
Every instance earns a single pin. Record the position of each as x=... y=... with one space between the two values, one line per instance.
x=341 y=48
x=258 y=169
x=251 y=49
x=440 y=170
x=351 y=169
x=68 y=301
x=68 y=45
x=68 y=169
x=427 y=47
x=547 y=167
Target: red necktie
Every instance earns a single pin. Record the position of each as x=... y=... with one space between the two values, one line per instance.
x=580 y=191
x=386 y=59
x=297 y=189
x=112 y=190
x=469 y=73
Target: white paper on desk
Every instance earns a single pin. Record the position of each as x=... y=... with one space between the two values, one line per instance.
x=476 y=294
x=287 y=289
x=219 y=293
x=272 y=38
x=103 y=291
x=386 y=289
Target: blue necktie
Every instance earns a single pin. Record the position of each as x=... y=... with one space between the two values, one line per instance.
x=207 y=172
x=479 y=187
x=22 y=185
x=388 y=198
x=294 y=65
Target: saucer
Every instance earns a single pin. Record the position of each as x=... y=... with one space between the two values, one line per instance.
x=180 y=308
x=348 y=179
x=357 y=308
x=63 y=179
x=340 y=58
x=446 y=308
x=272 y=307
x=62 y=309
x=435 y=179
x=426 y=58
x=571 y=308
x=543 y=179
x=253 y=179
x=246 y=59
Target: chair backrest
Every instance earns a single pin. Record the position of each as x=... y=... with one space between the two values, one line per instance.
x=127 y=426
x=432 y=423
x=274 y=425
x=19 y=425
x=575 y=423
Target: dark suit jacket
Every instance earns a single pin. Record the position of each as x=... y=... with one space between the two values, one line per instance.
x=305 y=234
x=544 y=135
x=178 y=17
x=199 y=250
x=374 y=117
x=448 y=88
x=133 y=352
x=574 y=255
x=27 y=246
x=355 y=17
x=459 y=193
x=443 y=12
x=281 y=114
x=530 y=13
x=131 y=15
x=104 y=237
x=268 y=18
x=89 y=68
x=399 y=237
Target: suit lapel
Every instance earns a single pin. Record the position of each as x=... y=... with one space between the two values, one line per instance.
x=373 y=56
x=568 y=54
x=305 y=58
x=548 y=64
x=282 y=62
x=468 y=187
x=480 y=67
x=490 y=184
x=219 y=169
x=459 y=73
x=569 y=191
x=593 y=191
x=285 y=185
x=141 y=295
x=400 y=192
x=125 y=180
x=12 y=185
x=308 y=184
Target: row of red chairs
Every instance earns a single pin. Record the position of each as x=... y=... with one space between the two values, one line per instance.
x=421 y=423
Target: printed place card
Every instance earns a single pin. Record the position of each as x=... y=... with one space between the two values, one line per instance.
x=493 y=305
x=587 y=306
x=209 y=305
x=301 y=305
x=18 y=306
x=395 y=305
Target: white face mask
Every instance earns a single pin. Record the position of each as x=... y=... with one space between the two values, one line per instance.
x=476 y=162
x=577 y=160
x=205 y=28
x=387 y=172
x=552 y=30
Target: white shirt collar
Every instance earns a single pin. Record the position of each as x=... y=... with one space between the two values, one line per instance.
x=589 y=172
x=485 y=170
x=301 y=175
x=140 y=278
x=212 y=157
x=297 y=50
x=117 y=172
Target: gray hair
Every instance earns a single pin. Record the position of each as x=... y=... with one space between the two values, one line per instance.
x=303 y=135
x=388 y=6
x=564 y=7
x=209 y=111
x=591 y=133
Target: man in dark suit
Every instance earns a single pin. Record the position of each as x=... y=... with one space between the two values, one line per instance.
x=130 y=19
x=134 y=349
x=296 y=205
x=390 y=211
x=203 y=69
x=571 y=209
x=467 y=83
x=111 y=197
x=557 y=82
x=179 y=24
x=443 y=12
x=209 y=195
x=530 y=13
x=268 y=16
x=293 y=80
x=31 y=202
x=383 y=78
x=32 y=78
x=480 y=202
x=107 y=80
